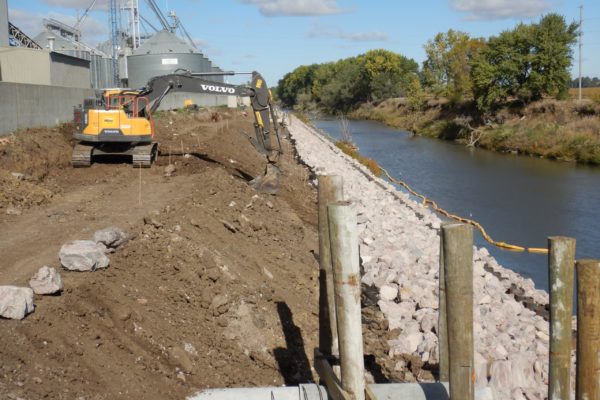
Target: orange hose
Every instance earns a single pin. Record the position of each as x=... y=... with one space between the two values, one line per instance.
x=435 y=207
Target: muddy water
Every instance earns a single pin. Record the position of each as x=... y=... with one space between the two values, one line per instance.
x=520 y=200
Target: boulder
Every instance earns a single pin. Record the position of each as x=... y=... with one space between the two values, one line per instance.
x=388 y=292
x=15 y=302
x=405 y=344
x=522 y=370
x=111 y=237
x=429 y=323
x=501 y=375
x=83 y=255
x=46 y=281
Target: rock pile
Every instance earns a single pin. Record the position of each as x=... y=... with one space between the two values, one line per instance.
x=400 y=255
x=77 y=255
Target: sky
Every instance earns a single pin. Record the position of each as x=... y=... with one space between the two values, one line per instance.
x=276 y=36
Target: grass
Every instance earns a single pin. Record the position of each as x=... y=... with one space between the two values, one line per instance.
x=592 y=93
x=351 y=150
x=564 y=130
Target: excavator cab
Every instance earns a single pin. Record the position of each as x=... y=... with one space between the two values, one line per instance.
x=117 y=124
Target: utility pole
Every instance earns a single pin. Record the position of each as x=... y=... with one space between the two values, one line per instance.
x=114 y=41
x=580 y=33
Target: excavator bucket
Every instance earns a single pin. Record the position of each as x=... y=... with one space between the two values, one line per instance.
x=266 y=140
x=268 y=182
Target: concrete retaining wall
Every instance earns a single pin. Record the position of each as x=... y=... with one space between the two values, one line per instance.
x=26 y=106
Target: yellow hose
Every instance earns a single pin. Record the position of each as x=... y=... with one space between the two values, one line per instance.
x=435 y=207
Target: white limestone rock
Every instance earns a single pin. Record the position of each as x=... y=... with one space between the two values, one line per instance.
x=388 y=292
x=481 y=374
x=501 y=374
x=111 y=237
x=522 y=370
x=46 y=281
x=15 y=302
x=83 y=255
x=405 y=344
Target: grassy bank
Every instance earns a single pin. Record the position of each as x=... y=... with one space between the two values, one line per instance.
x=562 y=130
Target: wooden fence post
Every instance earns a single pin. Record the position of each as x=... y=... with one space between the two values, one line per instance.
x=458 y=276
x=442 y=316
x=346 y=276
x=561 y=264
x=330 y=190
x=588 y=330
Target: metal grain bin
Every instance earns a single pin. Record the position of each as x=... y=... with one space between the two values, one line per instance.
x=163 y=54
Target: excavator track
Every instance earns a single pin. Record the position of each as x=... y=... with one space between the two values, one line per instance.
x=143 y=155
x=82 y=155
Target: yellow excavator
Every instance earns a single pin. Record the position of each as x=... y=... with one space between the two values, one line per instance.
x=119 y=122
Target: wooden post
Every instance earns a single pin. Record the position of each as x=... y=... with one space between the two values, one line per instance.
x=588 y=330
x=561 y=264
x=442 y=317
x=330 y=190
x=346 y=277
x=458 y=276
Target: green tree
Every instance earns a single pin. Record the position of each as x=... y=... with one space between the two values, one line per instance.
x=386 y=73
x=526 y=63
x=446 y=70
x=294 y=83
x=342 y=85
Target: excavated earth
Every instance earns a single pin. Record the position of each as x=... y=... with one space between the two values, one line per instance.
x=217 y=286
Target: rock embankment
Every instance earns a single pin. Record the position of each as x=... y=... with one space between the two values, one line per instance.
x=399 y=247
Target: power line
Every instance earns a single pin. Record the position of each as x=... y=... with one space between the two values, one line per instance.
x=580 y=44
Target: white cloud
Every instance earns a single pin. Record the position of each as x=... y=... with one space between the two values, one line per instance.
x=319 y=30
x=277 y=8
x=92 y=30
x=78 y=4
x=501 y=9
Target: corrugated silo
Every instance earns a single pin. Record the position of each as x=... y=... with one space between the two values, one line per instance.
x=162 y=54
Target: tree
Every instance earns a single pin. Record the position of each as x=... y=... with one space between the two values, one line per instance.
x=386 y=73
x=295 y=82
x=446 y=70
x=526 y=63
x=344 y=84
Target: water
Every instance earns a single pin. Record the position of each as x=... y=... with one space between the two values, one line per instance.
x=520 y=200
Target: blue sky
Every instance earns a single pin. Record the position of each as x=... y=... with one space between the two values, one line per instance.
x=275 y=36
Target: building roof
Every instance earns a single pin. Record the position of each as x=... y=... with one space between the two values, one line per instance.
x=63 y=44
x=165 y=42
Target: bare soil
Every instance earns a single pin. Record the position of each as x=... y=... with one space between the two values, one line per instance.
x=218 y=286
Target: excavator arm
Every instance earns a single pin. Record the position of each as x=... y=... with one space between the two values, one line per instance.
x=266 y=141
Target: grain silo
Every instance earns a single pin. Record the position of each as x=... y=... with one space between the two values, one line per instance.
x=164 y=53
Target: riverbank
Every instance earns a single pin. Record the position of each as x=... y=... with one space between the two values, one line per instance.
x=399 y=253
x=561 y=130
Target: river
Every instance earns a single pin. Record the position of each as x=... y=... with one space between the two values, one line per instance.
x=520 y=200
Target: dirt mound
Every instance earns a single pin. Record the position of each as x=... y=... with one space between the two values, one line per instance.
x=27 y=159
x=216 y=288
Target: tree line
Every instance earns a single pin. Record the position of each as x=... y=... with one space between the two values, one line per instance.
x=525 y=63
x=586 y=82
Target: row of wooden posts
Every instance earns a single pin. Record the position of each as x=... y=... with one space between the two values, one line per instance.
x=340 y=338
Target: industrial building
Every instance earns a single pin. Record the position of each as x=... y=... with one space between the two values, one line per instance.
x=58 y=59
